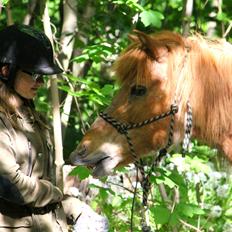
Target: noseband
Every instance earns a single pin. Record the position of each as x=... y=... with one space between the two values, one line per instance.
x=123 y=128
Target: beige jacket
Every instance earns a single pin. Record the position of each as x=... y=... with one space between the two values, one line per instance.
x=26 y=178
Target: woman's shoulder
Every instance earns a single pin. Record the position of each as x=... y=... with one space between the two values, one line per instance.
x=3 y=115
x=5 y=120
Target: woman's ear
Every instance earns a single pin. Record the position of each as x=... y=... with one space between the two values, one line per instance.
x=4 y=71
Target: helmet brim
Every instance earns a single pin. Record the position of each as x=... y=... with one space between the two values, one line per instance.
x=47 y=70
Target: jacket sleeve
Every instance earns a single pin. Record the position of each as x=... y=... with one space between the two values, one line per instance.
x=29 y=190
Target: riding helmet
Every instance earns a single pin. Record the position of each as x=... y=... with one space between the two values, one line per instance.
x=27 y=48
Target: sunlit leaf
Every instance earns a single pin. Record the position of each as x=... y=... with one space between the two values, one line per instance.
x=151 y=17
x=81 y=171
x=81 y=58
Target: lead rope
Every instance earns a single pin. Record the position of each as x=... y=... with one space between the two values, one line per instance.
x=123 y=128
x=163 y=152
x=188 y=129
x=146 y=184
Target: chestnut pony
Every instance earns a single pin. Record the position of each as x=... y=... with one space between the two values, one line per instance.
x=156 y=72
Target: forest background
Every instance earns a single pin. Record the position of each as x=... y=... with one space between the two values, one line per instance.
x=194 y=193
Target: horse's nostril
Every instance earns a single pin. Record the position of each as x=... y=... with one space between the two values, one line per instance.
x=82 y=151
x=78 y=154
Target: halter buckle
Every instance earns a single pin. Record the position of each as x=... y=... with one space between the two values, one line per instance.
x=174 y=108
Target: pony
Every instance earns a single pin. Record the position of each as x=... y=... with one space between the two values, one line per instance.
x=157 y=73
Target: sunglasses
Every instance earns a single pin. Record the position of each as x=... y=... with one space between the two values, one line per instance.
x=34 y=76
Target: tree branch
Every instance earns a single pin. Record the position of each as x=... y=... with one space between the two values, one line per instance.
x=9 y=17
x=31 y=8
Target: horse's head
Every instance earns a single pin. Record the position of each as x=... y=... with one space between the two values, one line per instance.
x=147 y=73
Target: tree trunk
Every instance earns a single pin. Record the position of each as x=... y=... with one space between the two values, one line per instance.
x=187 y=14
x=68 y=35
x=59 y=161
x=77 y=69
x=10 y=20
x=31 y=10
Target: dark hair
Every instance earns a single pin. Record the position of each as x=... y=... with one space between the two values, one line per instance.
x=10 y=79
x=9 y=98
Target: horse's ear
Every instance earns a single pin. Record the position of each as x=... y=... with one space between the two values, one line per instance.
x=147 y=43
x=133 y=38
x=143 y=37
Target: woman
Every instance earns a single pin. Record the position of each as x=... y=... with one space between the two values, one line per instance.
x=29 y=200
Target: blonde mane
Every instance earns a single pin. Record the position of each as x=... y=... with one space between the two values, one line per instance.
x=209 y=70
x=205 y=78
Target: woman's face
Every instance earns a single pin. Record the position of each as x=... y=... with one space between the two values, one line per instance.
x=25 y=86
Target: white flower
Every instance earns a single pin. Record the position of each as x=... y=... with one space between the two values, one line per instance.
x=216 y=175
x=180 y=164
x=215 y=211
x=227 y=227
x=223 y=191
x=196 y=179
x=170 y=166
x=215 y=179
x=205 y=205
x=202 y=177
x=189 y=176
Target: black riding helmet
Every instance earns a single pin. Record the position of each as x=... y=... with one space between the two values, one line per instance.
x=28 y=49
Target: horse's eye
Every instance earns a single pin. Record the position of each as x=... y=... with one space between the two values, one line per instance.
x=138 y=90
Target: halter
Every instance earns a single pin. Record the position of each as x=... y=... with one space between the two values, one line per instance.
x=123 y=128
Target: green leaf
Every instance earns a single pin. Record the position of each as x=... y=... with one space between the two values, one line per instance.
x=177 y=178
x=107 y=89
x=130 y=3
x=81 y=58
x=4 y=2
x=175 y=3
x=72 y=93
x=161 y=214
x=165 y=180
x=222 y=17
x=174 y=219
x=151 y=17
x=189 y=210
x=103 y=193
x=228 y=212
x=96 y=99
x=117 y=201
x=81 y=171
x=97 y=91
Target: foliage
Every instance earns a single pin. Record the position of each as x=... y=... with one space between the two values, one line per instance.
x=197 y=195
x=4 y=2
x=204 y=190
